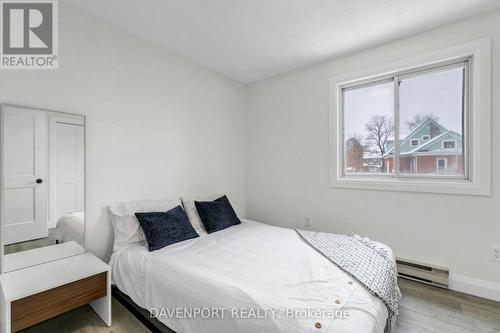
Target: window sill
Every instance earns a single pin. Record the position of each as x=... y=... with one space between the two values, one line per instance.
x=442 y=186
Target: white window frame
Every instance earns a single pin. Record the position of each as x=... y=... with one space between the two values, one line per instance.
x=445 y=164
x=454 y=144
x=418 y=142
x=426 y=137
x=477 y=131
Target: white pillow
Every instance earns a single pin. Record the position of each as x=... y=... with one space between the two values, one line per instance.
x=125 y=224
x=193 y=216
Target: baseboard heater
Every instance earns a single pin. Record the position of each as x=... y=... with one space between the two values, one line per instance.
x=433 y=275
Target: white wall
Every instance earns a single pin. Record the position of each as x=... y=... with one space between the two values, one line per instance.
x=157 y=125
x=287 y=167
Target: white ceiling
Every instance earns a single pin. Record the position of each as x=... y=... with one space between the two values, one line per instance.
x=249 y=40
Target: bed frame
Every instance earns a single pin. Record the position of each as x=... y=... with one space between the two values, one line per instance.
x=141 y=314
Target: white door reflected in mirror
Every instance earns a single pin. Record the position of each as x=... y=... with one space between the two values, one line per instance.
x=25 y=160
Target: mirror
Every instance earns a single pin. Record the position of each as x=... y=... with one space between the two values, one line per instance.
x=43 y=186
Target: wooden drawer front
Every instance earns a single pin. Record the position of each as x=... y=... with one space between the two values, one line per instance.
x=36 y=308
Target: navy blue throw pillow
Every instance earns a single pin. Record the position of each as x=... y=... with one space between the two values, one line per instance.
x=162 y=229
x=216 y=215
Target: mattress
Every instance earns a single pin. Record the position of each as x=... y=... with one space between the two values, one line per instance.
x=253 y=277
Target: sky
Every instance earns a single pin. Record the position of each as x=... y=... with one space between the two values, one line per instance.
x=437 y=93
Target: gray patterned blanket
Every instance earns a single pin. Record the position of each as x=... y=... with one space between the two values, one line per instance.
x=372 y=266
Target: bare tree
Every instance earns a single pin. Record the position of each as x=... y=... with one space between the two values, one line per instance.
x=355 y=139
x=379 y=130
x=418 y=119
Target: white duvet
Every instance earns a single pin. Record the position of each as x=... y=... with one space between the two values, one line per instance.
x=70 y=227
x=266 y=278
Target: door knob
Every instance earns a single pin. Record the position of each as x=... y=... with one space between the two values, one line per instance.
x=39 y=181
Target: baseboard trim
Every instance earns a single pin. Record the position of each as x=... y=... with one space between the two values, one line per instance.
x=477 y=287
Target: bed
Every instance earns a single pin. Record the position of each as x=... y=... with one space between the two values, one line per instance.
x=70 y=227
x=248 y=268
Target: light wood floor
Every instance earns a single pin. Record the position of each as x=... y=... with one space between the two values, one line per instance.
x=23 y=246
x=426 y=309
x=423 y=309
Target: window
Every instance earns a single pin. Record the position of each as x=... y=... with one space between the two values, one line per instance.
x=412 y=129
x=449 y=144
x=383 y=117
x=441 y=165
x=368 y=127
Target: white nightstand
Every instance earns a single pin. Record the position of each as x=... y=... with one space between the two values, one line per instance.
x=34 y=294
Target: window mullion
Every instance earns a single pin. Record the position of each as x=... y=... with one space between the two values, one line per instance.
x=466 y=121
x=396 y=126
